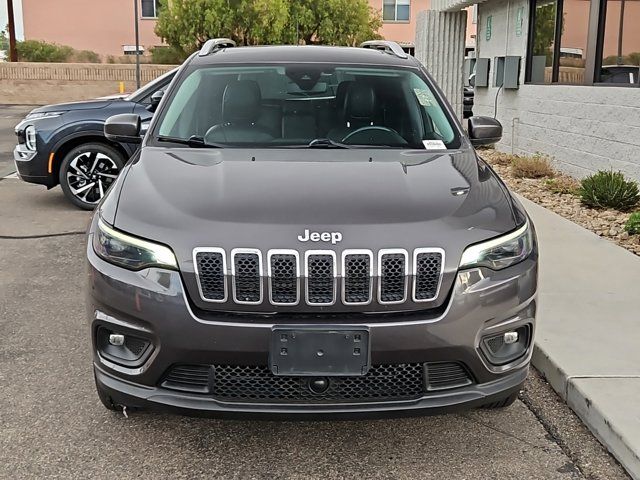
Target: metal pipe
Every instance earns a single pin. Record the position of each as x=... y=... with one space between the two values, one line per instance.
x=135 y=10
x=620 y=62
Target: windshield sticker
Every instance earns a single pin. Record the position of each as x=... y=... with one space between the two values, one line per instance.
x=434 y=145
x=424 y=96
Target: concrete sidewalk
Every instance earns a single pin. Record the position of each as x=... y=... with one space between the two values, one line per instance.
x=588 y=336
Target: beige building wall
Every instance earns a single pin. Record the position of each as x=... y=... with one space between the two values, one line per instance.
x=106 y=26
x=103 y=26
x=405 y=32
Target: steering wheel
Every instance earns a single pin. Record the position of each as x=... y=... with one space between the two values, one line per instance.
x=397 y=138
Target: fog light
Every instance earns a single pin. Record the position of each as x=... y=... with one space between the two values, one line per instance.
x=506 y=347
x=510 y=337
x=124 y=349
x=116 y=339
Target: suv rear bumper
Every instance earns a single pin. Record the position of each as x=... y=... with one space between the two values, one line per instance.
x=152 y=304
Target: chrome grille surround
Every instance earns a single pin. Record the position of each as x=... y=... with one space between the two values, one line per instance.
x=393 y=270
x=346 y=276
x=314 y=255
x=383 y=275
x=196 y=263
x=416 y=254
x=272 y=273
x=238 y=277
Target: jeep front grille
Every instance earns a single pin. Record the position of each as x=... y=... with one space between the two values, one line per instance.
x=317 y=278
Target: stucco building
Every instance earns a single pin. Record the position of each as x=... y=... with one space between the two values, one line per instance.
x=107 y=27
x=570 y=87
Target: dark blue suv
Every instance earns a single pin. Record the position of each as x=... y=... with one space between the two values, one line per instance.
x=65 y=143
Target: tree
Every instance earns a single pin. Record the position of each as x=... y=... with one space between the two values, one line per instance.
x=187 y=24
x=335 y=22
x=4 y=41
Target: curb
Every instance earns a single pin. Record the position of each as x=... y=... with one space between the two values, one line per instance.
x=604 y=429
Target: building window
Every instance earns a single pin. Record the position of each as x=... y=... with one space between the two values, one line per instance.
x=150 y=8
x=558 y=41
x=619 y=42
x=396 y=10
x=542 y=40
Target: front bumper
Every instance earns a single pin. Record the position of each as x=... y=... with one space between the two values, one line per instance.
x=32 y=166
x=153 y=304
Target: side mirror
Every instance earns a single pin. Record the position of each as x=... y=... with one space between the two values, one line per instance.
x=484 y=131
x=123 y=128
x=472 y=79
x=155 y=100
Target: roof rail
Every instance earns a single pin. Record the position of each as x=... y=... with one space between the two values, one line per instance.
x=214 y=44
x=386 y=46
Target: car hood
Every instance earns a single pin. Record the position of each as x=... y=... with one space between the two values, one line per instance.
x=264 y=199
x=83 y=105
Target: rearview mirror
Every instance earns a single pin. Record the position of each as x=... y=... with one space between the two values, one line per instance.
x=123 y=128
x=155 y=100
x=484 y=130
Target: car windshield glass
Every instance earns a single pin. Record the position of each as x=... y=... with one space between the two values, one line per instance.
x=307 y=106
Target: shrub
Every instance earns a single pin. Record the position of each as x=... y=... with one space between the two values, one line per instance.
x=167 y=56
x=633 y=224
x=563 y=185
x=536 y=166
x=85 y=56
x=499 y=158
x=39 y=51
x=609 y=189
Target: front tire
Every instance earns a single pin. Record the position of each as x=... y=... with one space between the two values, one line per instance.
x=87 y=172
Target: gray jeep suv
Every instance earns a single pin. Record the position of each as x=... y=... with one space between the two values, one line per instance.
x=307 y=231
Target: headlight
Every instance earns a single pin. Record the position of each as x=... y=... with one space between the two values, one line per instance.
x=30 y=137
x=32 y=116
x=130 y=252
x=500 y=252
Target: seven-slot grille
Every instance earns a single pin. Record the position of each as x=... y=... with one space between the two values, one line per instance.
x=314 y=277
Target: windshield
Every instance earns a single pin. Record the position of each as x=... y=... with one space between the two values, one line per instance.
x=148 y=89
x=306 y=105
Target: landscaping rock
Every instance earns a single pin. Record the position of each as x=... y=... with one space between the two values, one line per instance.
x=606 y=223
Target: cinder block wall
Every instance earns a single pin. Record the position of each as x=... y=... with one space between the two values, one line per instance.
x=42 y=83
x=583 y=128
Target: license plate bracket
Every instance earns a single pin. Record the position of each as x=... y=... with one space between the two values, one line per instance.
x=322 y=351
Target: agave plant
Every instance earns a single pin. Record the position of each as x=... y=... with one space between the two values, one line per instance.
x=609 y=189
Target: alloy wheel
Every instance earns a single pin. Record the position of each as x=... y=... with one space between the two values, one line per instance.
x=90 y=174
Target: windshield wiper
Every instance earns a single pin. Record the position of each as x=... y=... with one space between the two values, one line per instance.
x=326 y=143
x=193 y=141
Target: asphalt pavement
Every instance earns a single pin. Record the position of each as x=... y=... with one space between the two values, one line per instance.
x=53 y=426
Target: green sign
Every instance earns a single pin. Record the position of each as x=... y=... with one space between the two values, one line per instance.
x=488 y=33
x=519 y=21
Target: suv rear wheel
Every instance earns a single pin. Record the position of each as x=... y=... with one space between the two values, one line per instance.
x=87 y=171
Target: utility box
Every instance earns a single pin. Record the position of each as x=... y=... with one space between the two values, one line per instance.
x=482 y=72
x=506 y=72
x=498 y=71
x=512 y=72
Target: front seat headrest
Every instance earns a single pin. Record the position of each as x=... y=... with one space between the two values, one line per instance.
x=360 y=103
x=241 y=102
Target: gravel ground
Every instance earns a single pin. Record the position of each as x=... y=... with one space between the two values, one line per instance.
x=606 y=223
